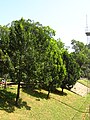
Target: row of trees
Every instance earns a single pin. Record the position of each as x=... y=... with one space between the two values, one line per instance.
x=82 y=56
x=30 y=54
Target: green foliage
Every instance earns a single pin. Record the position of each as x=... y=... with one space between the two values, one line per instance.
x=4 y=58
x=33 y=54
x=72 y=71
x=30 y=54
x=4 y=38
x=5 y=63
x=54 y=70
x=79 y=52
x=82 y=56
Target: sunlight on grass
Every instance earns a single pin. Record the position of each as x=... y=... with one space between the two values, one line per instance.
x=58 y=107
x=85 y=82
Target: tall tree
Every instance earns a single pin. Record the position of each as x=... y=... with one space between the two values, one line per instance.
x=28 y=44
x=72 y=71
x=81 y=55
x=19 y=46
x=54 y=69
x=4 y=58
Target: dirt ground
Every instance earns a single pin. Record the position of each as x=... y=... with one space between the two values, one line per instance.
x=80 y=89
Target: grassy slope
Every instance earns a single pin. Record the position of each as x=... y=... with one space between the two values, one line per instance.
x=85 y=82
x=34 y=106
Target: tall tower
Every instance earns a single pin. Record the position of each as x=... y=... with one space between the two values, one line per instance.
x=87 y=32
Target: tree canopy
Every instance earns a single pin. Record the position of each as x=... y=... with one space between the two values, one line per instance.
x=29 y=53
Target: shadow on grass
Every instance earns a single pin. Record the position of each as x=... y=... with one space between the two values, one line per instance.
x=58 y=92
x=7 y=101
x=38 y=94
x=35 y=93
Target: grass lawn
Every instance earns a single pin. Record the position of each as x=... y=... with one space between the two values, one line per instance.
x=85 y=82
x=33 y=105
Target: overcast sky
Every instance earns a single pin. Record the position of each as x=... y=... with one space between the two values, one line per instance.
x=66 y=17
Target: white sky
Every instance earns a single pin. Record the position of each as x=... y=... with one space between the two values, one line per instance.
x=66 y=17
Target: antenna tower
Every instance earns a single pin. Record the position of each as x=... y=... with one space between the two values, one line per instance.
x=87 y=31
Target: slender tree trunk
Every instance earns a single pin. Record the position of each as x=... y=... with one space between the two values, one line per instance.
x=18 y=93
x=19 y=80
x=62 y=90
x=5 y=85
x=49 y=90
x=48 y=94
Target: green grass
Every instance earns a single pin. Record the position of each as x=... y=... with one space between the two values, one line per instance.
x=33 y=105
x=85 y=82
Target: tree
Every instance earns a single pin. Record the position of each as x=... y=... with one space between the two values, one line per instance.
x=4 y=58
x=72 y=71
x=40 y=36
x=5 y=62
x=79 y=52
x=88 y=62
x=27 y=47
x=81 y=55
x=54 y=69
x=19 y=46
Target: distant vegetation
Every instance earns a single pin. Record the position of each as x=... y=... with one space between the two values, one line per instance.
x=30 y=54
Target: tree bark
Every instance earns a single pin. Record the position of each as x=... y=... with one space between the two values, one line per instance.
x=18 y=93
x=62 y=90
x=48 y=94
x=5 y=85
x=19 y=75
x=49 y=90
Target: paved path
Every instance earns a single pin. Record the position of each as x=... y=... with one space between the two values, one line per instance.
x=80 y=89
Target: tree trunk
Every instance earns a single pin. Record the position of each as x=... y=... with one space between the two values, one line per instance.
x=18 y=93
x=49 y=90
x=48 y=94
x=5 y=85
x=62 y=90
x=19 y=75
